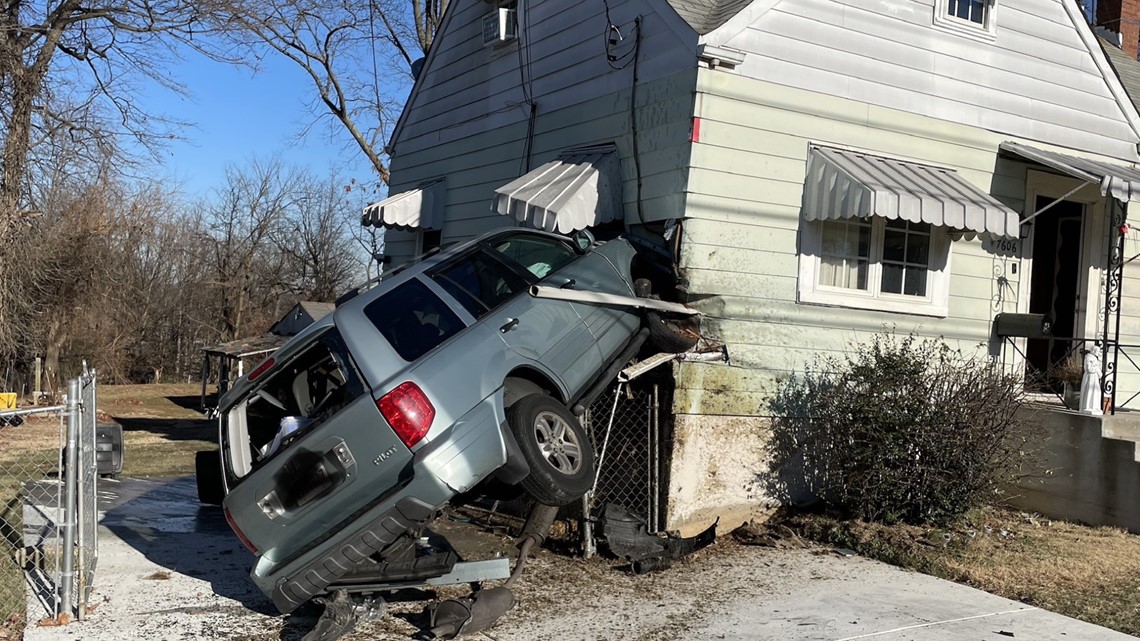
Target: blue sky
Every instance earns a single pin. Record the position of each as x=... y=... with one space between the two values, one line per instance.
x=240 y=115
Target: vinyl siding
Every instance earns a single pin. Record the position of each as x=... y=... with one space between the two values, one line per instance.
x=467 y=118
x=484 y=160
x=1036 y=80
x=739 y=250
x=468 y=88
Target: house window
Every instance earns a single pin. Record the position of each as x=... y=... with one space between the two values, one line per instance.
x=875 y=263
x=972 y=10
x=974 y=18
x=428 y=240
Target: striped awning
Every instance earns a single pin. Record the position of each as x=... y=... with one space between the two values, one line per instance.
x=419 y=208
x=849 y=184
x=1122 y=183
x=580 y=189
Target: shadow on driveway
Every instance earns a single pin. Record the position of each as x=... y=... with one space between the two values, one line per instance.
x=163 y=520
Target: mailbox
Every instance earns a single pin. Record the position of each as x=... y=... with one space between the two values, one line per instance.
x=1023 y=325
x=109 y=449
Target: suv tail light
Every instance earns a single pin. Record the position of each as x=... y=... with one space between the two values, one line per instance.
x=240 y=535
x=261 y=369
x=409 y=412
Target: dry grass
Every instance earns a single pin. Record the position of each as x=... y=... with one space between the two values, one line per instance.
x=1089 y=573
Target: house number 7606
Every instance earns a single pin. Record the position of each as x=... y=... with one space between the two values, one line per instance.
x=1007 y=245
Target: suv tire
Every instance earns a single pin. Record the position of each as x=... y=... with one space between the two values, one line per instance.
x=672 y=335
x=208 y=474
x=555 y=447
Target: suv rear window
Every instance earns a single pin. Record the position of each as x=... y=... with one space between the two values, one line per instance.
x=296 y=397
x=413 y=319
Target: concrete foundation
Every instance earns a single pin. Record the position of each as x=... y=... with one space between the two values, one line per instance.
x=1088 y=470
x=718 y=469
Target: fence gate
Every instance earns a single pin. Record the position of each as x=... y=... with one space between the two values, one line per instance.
x=48 y=514
x=624 y=425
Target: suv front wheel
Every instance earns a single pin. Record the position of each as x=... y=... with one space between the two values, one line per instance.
x=556 y=448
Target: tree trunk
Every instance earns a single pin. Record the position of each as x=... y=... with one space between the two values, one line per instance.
x=54 y=341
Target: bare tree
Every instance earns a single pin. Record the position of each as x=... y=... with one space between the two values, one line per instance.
x=66 y=72
x=317 y=242
x=240 y=224
x=335 y=42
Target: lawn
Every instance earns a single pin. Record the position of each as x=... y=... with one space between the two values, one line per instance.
x=1088 y=573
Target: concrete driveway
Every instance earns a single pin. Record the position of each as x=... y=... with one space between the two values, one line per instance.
x=169 y=571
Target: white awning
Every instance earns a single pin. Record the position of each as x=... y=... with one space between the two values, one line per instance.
x=1123 y=183
x=580 y=189
x=848 y=184
x=419 y=208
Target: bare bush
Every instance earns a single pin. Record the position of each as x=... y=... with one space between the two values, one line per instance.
x=900 y=430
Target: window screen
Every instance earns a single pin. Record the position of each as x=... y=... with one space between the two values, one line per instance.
x=413 y=319
x=972 y=10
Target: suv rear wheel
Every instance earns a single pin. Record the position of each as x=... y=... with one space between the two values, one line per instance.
x=556 y=448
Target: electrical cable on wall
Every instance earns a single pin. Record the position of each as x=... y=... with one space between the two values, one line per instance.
x=522 y=34
x=633 y=114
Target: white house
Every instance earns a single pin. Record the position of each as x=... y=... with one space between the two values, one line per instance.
x=816 y=170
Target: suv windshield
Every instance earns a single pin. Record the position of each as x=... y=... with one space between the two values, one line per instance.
x=539 y=255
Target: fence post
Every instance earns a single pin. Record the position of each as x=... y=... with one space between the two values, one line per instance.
x=67 y=579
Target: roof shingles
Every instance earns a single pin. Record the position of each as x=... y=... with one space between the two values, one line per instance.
x=705 y=16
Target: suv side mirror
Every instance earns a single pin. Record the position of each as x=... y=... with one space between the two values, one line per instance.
x=583 y=240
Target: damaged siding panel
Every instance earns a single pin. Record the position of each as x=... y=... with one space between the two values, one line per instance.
x=1038 y=66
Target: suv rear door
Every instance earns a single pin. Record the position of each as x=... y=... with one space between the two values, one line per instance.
x=548 y=331
x=290 y=449
x=552 y=261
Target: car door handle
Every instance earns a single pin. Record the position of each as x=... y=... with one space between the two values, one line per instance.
x=509 y=325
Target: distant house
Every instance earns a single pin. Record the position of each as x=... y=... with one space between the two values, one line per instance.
x=302 y=315
x=815 y=172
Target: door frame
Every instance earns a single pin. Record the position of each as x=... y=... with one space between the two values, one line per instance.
x=1052 y=186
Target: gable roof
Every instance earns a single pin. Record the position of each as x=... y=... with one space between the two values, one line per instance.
x=707 y=15
x=1127 y=69
x=316 y=310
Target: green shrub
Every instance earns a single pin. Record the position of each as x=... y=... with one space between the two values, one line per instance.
x=900 y=430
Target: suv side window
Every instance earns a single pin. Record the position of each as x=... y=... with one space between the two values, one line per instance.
x=479 y=281
x=539 y=255
x=413 y=319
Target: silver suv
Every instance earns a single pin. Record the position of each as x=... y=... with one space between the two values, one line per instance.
x=356 y=432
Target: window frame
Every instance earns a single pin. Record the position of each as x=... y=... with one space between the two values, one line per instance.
x=435 y=275
x=522 y=269
x=986 y=31
x=810 y=291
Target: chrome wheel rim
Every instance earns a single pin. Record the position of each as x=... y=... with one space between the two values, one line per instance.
x=558 y=443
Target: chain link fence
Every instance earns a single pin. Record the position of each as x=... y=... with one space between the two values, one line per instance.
x=624 y=425
x=47 y=510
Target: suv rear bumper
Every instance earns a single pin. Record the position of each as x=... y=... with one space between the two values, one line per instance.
x=469 y=451
x=292 y=585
